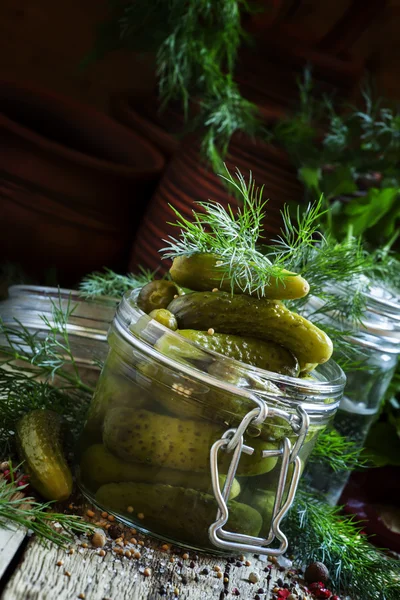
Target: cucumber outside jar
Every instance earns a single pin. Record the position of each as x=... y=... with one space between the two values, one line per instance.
x=375 y=351
x=163 y=402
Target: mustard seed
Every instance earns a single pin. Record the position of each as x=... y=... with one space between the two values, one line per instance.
x=60 y=563
x=214 y=290
x=82 y=596
x=104 y=515
x=147 y=572
x=102 y=553
x=111 y=518
x=137 y=554
x=128 y=554
x=84 y=545
x=130 y=509
x=247 y=563
x=210 y=331
x=217 y=568
x=219 y=575
x=140 y=516
x=133 y=541
x=67 y=574
x=71 y=551
x=165 y=547
x=185 y=556
x=90 y=513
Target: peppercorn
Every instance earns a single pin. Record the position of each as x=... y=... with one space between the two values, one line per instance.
x=115 y=531
x=192 y=564
x=316 y=571
x=280 y=582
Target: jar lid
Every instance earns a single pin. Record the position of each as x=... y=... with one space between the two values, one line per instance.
x=322 y=392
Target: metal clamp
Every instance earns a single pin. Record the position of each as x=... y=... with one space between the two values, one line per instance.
x=232 y=441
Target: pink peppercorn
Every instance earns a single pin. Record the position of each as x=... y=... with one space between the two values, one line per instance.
x=335 y=597
x=283 y=593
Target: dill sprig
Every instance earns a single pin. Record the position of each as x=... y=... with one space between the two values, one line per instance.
x=114 y=285
x=232 y=237
x=48 y=356
x=196 y=45
x=319 y=532
x=340 y=453
x=35 y=516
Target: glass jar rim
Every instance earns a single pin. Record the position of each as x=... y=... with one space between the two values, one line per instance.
x=381 y=318
x=330 y=383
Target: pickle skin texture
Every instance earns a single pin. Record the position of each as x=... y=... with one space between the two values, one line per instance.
x=257 y=353
x=156 y=294
x=164 y=441
x=166 y=318
x=113 y=389
x=180 y=513
x=98 y=466
x=200 y=272
x=262 y=319
x=39 y=446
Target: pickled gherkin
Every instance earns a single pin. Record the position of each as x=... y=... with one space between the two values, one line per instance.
x=163 y=441
x=203 y=272
x=99 y=466
x=259 y=318
x=156 y=294
x=265 y=355
x=175 y=511
x=166 y=318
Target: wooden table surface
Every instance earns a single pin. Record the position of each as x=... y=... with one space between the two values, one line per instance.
x=35 y=575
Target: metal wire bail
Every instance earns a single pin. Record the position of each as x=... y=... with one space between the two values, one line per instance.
x=232 y=442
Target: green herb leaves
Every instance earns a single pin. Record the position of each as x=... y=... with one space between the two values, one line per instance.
x=319 y=532
x=113 y=284
x=27 y=512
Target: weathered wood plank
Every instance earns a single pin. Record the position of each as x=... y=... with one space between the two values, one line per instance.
x=10 y=540
x=118 y=578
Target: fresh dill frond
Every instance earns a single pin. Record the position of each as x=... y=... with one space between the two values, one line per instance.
x=232 y=237
x=340 y=453
x=35 y=516
x=319 y=532
x=114 y=285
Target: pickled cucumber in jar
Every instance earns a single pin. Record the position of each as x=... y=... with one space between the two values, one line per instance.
x=221 y=350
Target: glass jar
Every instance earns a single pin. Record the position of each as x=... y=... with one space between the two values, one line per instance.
x=375 y=347
x=195 y=448
x=87 y=324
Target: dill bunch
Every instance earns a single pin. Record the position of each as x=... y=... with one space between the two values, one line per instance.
x=109 y=283
x=196 y=45
x=35 y=516
x=235 y=237
x=340 y=453
x=319 y=532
